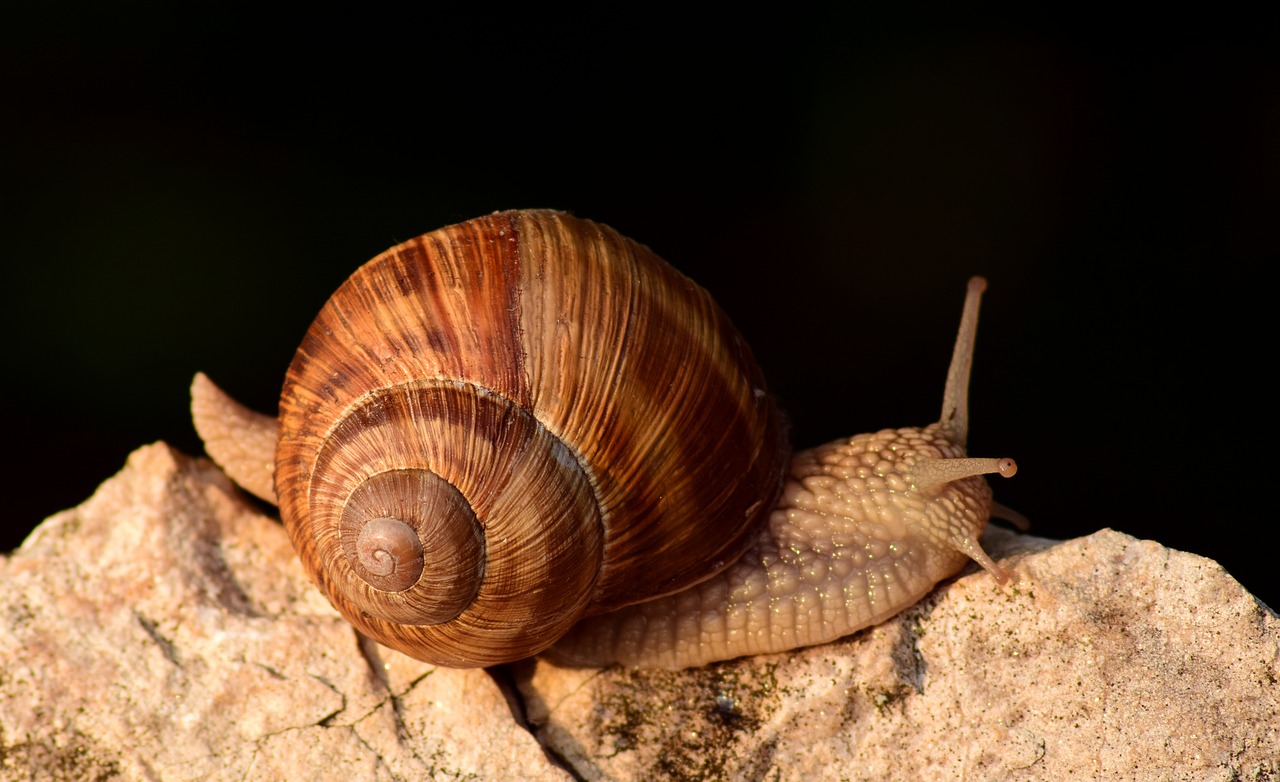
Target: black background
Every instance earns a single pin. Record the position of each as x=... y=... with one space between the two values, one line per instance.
x=181 y=190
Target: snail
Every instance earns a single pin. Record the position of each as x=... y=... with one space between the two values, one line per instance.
x=527 y=434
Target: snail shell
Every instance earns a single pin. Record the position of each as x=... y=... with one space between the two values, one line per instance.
x=500 y=428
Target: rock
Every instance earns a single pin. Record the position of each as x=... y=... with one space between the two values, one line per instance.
x=1107 y=658
x=164 y=630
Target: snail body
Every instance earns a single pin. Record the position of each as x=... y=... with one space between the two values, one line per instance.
x=527 y=430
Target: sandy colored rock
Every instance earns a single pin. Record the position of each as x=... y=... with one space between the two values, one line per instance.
x=1107 y=658
x=164 y=630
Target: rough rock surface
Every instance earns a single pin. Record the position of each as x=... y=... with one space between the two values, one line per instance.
x=1107 y=658
x=164 y=630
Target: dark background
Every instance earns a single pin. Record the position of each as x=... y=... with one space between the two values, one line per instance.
x=182 y=192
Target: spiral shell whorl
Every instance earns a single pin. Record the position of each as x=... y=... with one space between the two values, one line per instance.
x=388 y=552
x=397 y=526
x=440 y=458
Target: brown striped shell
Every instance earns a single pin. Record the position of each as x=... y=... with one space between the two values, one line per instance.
x=505 y=425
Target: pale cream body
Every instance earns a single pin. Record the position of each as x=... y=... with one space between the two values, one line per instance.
x=854 y=539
